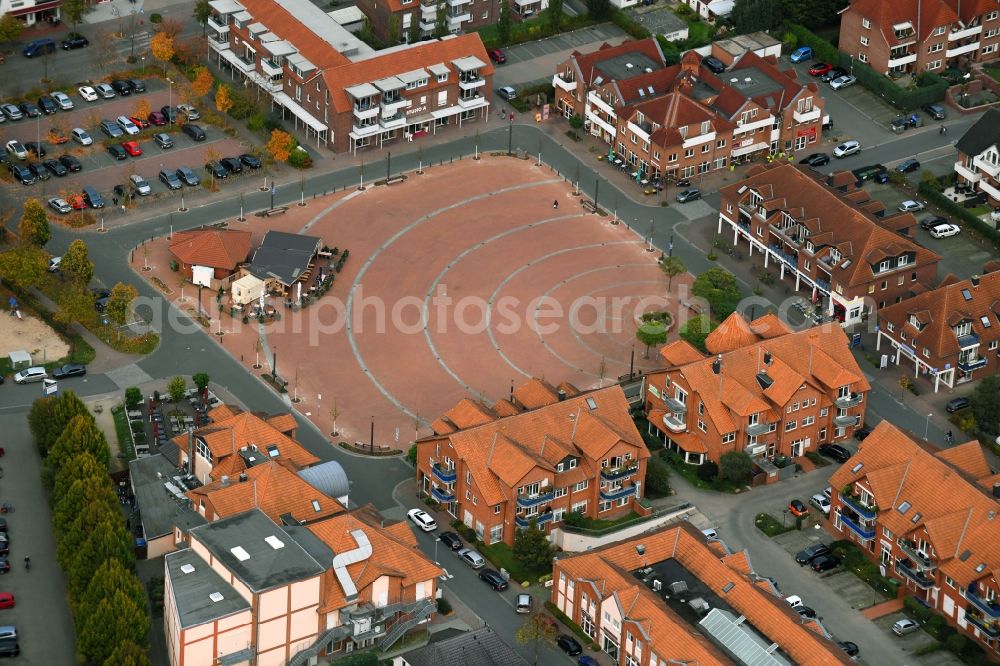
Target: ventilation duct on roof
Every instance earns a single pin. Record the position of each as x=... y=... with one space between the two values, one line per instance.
x=763 y=379
x=717 y=364
x=342 y=561
x=767 y=358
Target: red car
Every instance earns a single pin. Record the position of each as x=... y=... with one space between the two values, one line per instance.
x=141 y=123
x=797 y=508
x=6 y=600
x=77 y=201
x=132 y=148
x=820 y=68
x=157 y=118
x=497 y=56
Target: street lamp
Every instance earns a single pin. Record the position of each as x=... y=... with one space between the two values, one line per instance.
x=927 y=426
x=436 y=542
x=170 y=99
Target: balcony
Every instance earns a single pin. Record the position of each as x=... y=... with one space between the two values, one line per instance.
x=444 y=474
x=961 y=50
x=365 y=130
x=393 y=104
x=245 y=64
x=902 y=60
x=850 y=400
x=968 y=341
x=443 y=496
x=967 y=173
x=956 y=35
x=471 y=83
x=536 y=499
x=807 y=116
x=525 y=523
x=617 y=493
x=864 y=510
x=455 y=20
x=907 y=569
x=674 y=422
x=866 y=534
x=269 y=68
x=595 y=100
x=365 y=111
x=619 y=472
x=559 y=82
x=846 y=421
x=988 y=627
x=787 y=235
x=218 y=24
x=472 y=102
x=748 y=208
x=428 y=24
x=918 y=559
x=219 y=43
x=970 y=364
x=393 y=122
x=986 y=167
x=755 y=429
x=458 y=3
x=988 y=607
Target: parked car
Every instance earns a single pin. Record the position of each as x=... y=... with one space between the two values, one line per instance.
x=935 y=111
x=30 y=110
x=170 y=113
x=81 y=136
x=250 y=161
x=451 y=540
x=55 y=167
x=4 y=565
x=957 y=404
x=825 y=563
x=216 y=170
x=63 y=100
x=132 y=148
x=807 y=554
x=523 y=603
x=22 y=174
x=834 y=73
x=794 y=601
x=713 y=64
x=138 y=85
x=493 y=579
x=11 y=111
x=472 y=558
x=170 y=179
x=835 y=451
x=847 y=148
x=117 y=152
x=121 y=88
x=569 y=645
x=690 y=194
x=586 y=659
x=36 y=148
x=111 y=129
x=74 y=40
x=92 y=197
x=139 y=185
x=105 y=90
x=945 y=230
x=57 y=136
x=88 y=93
x=797 y=508
x=69 y=370
x=39 y=47
x=59 y=205
x=7 y=600
x=141 y=123
x=232 y=164
x=497 y=56
x=41 y=173
x=932 y=221
x=821 y=502
x=163 y=140
x=908 y=166
x=842 y=82
x=188 y=177
x=54 y=263
x=801 y=54
x=820 y=68
x=805 y=611
x=911 y=206
x=71 y=163
x=33 y=374
x=127 y=125
x=507 y=92
x=189 y=111
x=422 y=520
x=17 y=150
x=47 y=105
x=157 y=118
x=905 y=626
x=850 y=648
x=816 y=160
x=193 y=131
x=711 y=533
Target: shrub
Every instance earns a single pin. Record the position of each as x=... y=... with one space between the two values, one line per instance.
x=444 y=606
x=257 y=121
x=155 y=18
x=708 y=471
x=575 y=519
x=300 y=159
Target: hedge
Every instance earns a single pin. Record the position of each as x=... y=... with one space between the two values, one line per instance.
x=959 y=212
x=931 y=87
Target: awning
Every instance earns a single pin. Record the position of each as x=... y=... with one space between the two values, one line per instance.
x=389 y=83
x=361 y=91
x=439 y=69
x=414 y=76
x=256 y=28
x=300 y=63
x=468 y=63
x=226 y=6
x=279 y=48
x=243 y=16
x=303 y=115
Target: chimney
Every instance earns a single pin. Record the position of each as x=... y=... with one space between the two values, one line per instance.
x=975 y=280
x=717 y=364
x=225 y=480
x=562 y=395
x=767 y=358
x=243 y=477
x=640 y=549
x=996 y=490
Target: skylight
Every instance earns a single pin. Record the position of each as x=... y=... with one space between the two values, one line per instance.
x=272 y=450
x=316 y=506
x=966 y=294
x=274 y=542
x=240 y=554
x=591 y=403
x=965 y=555
x=216 y=597
x=727 y=587
x=854 y=470
x=916 y=517
x=904 y=507
x=980 y=567
x=187 y=568
x=986 y=321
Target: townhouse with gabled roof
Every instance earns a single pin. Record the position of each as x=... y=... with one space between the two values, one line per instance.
x=950 y=334
x=534 y=457
x=978 y=162
x=913 y=36
x=344 y=95
x=671 y=597
x=400 y=21
x=764 y=390
x=681 y=120
x=932 y=519
x=828 y=238
x=248 y=590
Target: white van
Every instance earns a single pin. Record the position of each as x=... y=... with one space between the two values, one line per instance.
x=35 y=374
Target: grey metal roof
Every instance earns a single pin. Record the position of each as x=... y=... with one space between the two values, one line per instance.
x=468 y=63
x=438 y=69
x=329 y=478
x=982 y=135
x=159 y=505
x=739 y=639
x=481 y=647
x=284 y=256
x=193 y=582
x=243 y=544
x=627 y=65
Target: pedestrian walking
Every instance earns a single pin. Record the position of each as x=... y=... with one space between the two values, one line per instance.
x=943 y=130
x=555 y=204
x=115 y=200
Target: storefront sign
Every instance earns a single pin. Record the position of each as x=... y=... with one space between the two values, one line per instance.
x=413 y=110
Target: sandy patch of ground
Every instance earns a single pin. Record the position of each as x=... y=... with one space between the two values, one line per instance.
x=32 y=335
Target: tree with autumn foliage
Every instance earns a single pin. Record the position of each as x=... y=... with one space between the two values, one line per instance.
x=224 y=98
x=203 y=81
x=141 y=108
x=162 y=47
x=280 y=145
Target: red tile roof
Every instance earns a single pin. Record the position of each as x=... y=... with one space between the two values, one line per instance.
x=589 y=64
x=215 y=248
x=281 y=22
x=927 y=13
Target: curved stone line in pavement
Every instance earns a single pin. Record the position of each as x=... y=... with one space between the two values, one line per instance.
x=506 y=280
x=329 y=209
x=382 y=248
x=425 y=316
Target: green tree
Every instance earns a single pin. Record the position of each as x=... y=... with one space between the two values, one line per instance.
x=50 y=415
x=532 y=549
x=115 y=620
x=10 y=28
x=81 y=493
x=718 y=286
x=651 y=333
x=76 y=304
x=120 y=303
x=23 y=266
x=696 y=329
x=598 y=9
x=109 y=540
x=176 y=388
x=555 y=15
x=133 y=398
x=74 y=10
x=88 y=522
x=127 y=653
x=413 y=34
x=394 y=29
x=80 y=435
x=202 y=10
x=672 y=267
x=441 y=23
x=657 y=478
x=986 y=405
x=84 y=468
x=33 y=228
x=76 y=265
x=504 y=22
x=201 y=380
x=753 y=15
x=735 y=467
x=536 y=630
x=110 y=577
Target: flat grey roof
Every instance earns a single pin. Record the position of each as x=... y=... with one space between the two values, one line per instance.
x=243 y=544
x=627 y=65
x=736 y=46
x=325 y=27
x=758 y=84
x=658 y=21
x=225 y=6
x=284 y=256
x=160 y=508
x=193 y=583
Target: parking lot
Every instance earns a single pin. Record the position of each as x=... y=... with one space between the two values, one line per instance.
x=534 y=62
x=100 y=169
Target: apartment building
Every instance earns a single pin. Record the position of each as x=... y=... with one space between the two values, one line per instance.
x=684 y=120
x=541 y=453
x=32 y=11
x=405 y=21
x=828 y=237
x=335 y=88
x=950 y=334
x=913 y=36
x=250 y=591
x=671 y=597
x=978 y=163
x=767 y=391
x=931 y=518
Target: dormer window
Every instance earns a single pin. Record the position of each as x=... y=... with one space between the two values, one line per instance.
x=683 y=132
x=706 y=127
x=902 y=260
x=884 y=266
x=964 y=328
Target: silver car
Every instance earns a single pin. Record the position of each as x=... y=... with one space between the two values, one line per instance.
x=472 y=558
x=139 y=184
x=63 y=100
x=105 y=90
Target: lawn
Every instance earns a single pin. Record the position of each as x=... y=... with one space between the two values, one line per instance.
x=770 y=525
x=502 y=557
x=699 y=31
x=690 y=474
x=993 y=72
x=123 y=428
